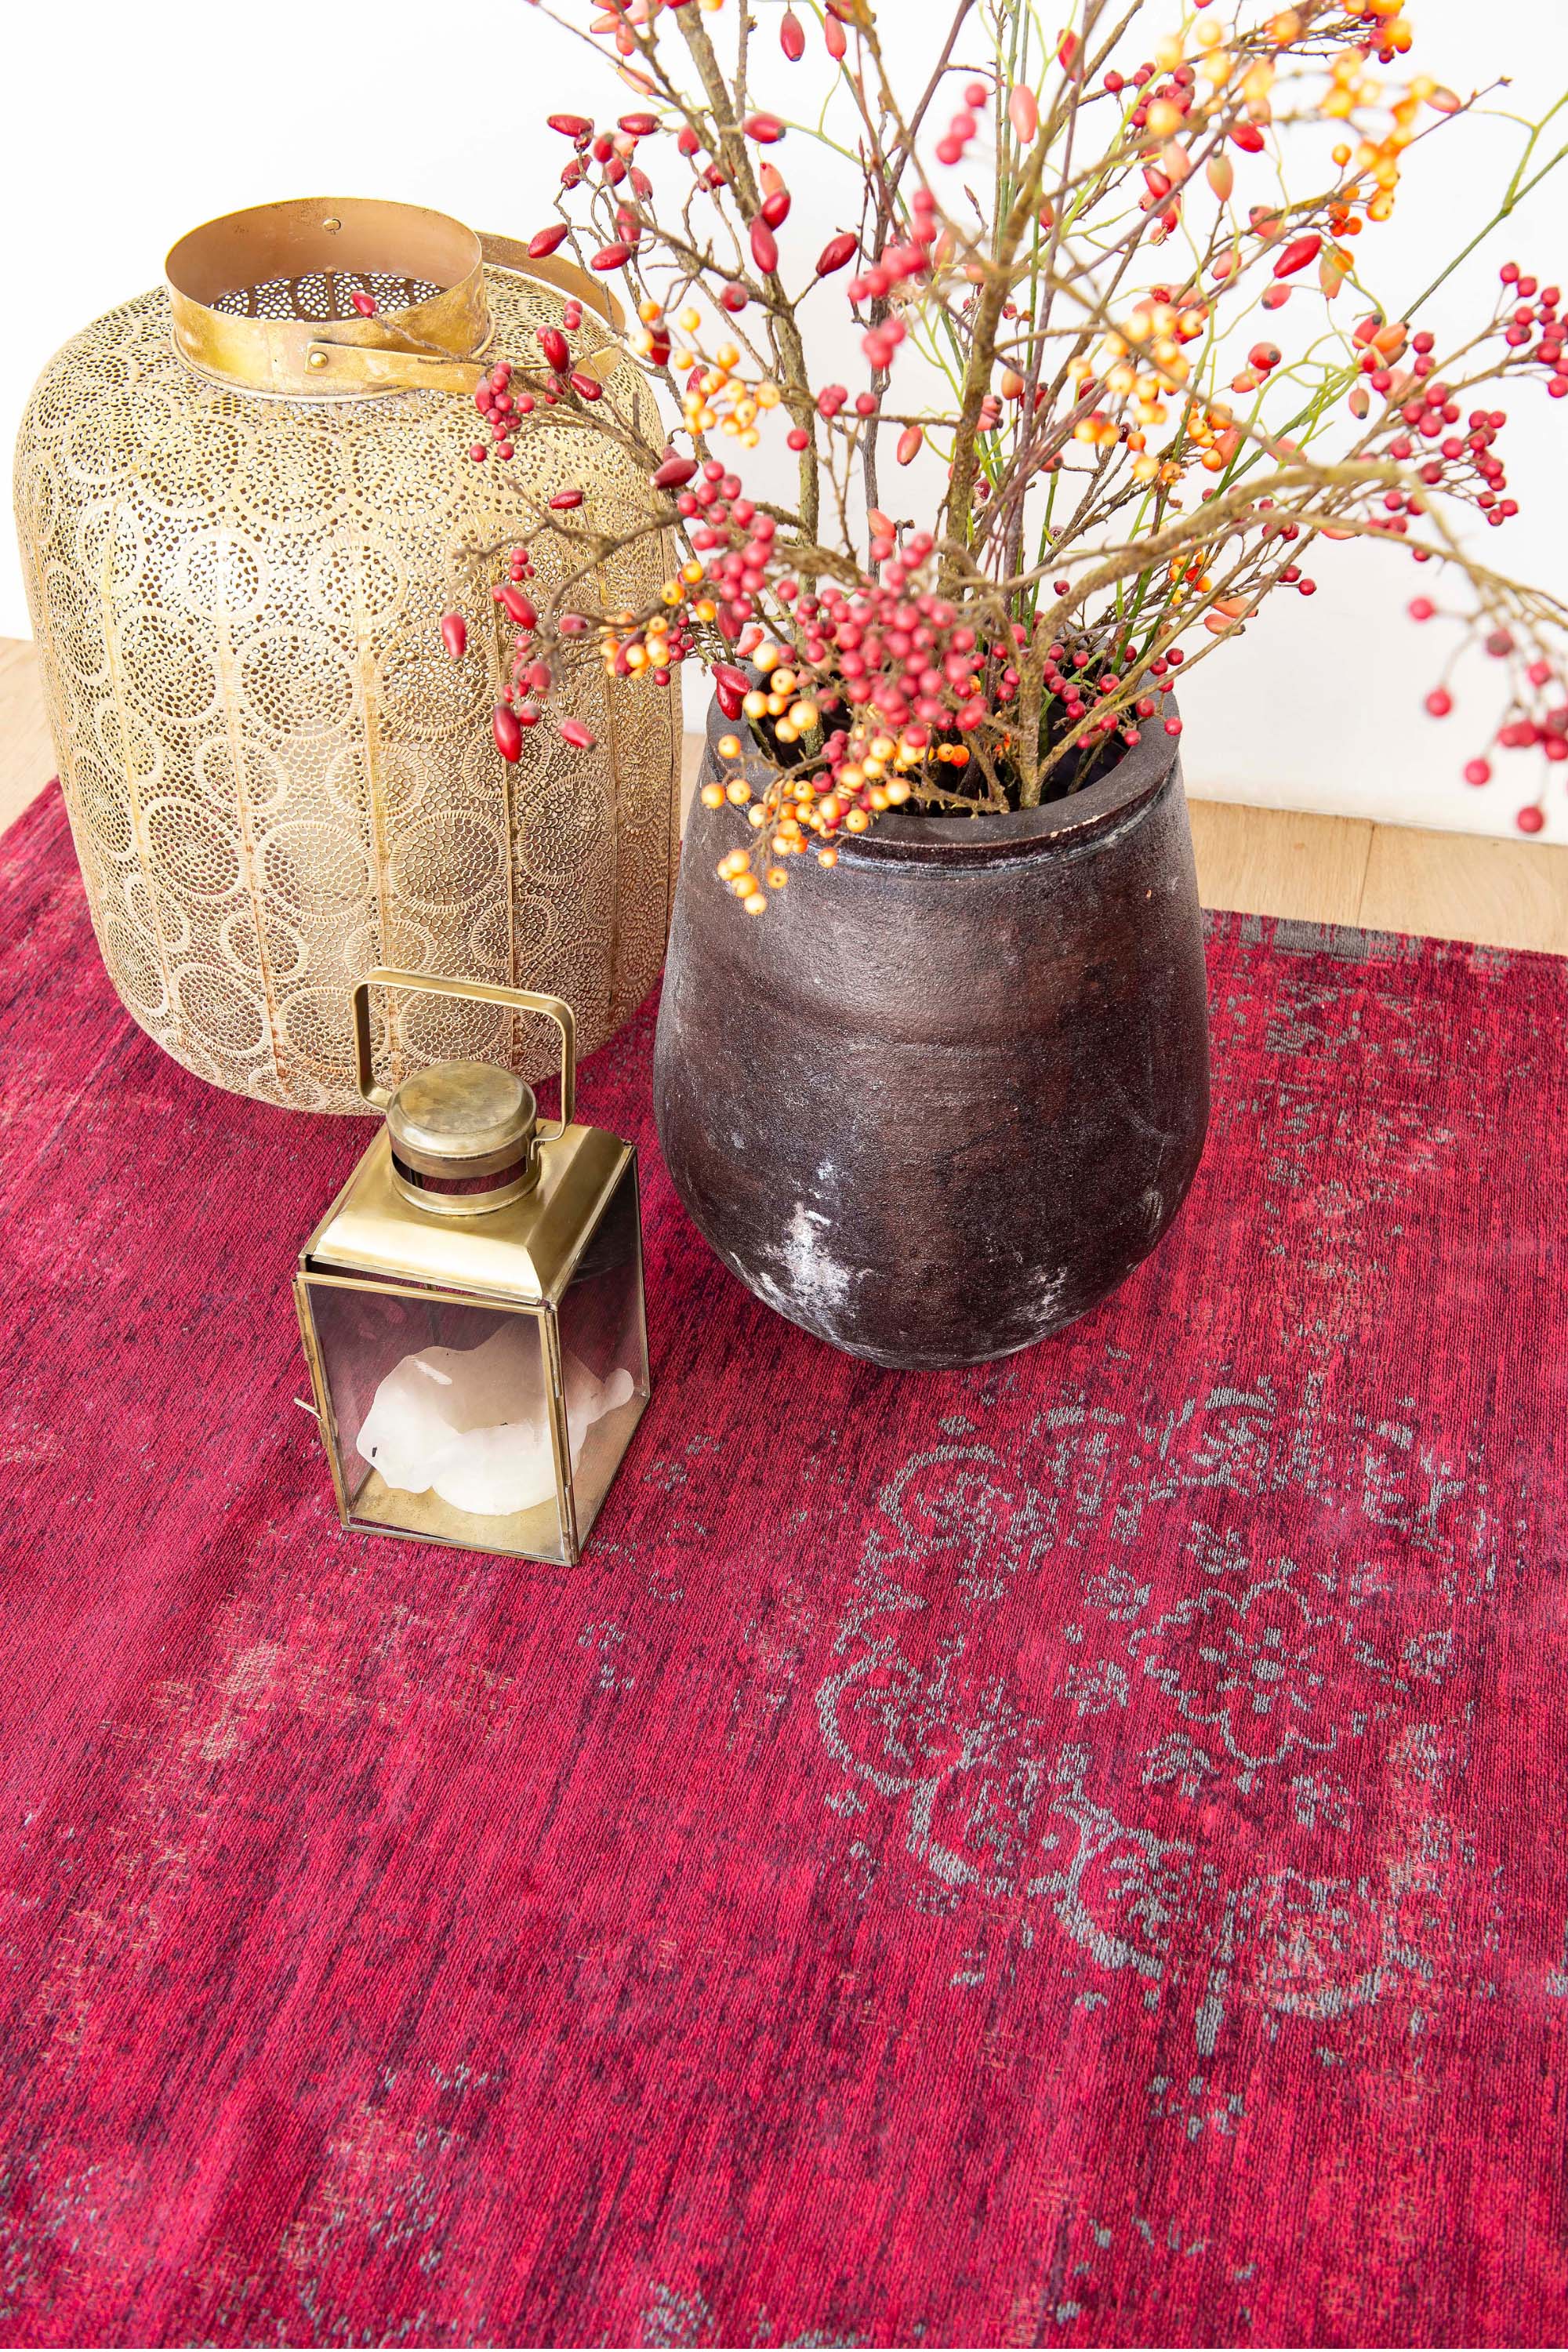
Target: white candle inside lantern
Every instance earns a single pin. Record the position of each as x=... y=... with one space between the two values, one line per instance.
x=473 y=1423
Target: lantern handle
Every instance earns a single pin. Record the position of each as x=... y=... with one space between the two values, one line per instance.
x=478 y=992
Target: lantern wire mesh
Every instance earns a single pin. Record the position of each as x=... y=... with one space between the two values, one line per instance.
x=276 y=777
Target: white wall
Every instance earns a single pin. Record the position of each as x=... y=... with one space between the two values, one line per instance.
x=128 y=125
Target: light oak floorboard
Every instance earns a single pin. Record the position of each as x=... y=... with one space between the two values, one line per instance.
x=27 y=755
x=691 y=760
x=1258 y=861
x=1455 y=886
x=1274 y=862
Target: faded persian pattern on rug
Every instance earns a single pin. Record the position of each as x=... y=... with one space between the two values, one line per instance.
x=1068 y=1852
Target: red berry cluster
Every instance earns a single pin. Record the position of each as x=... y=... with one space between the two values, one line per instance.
x=897 y=651
x=863 y=693
x=895 y=266
x=901 y=660
x=955 y=142
x=501 y=407
x=1537 y=313
x=612 y=151
x=532 y=676
x=721 y=519
x=1462 y=461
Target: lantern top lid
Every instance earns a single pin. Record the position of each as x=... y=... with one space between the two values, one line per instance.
x=457 y=1113
x=523 y=1253
x=463 y=1191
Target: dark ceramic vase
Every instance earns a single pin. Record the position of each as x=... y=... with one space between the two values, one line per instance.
x=941 y=1100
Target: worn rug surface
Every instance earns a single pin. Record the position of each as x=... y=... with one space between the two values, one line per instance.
x=1066 y=1852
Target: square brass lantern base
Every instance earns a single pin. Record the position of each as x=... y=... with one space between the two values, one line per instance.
x=378 y=1509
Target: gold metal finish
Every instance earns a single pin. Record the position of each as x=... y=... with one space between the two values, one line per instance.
x=388 y=1264
x=465 y=1117
x=296 y=269
x=526 y=1249
x=423 y=270
x=277 y=781
x=469 y=1119
x=462 y=1139
x=474 y=992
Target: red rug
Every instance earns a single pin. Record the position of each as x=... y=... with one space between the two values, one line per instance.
x=1068 y=1853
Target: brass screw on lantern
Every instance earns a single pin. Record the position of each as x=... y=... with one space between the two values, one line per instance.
x=471 y=1304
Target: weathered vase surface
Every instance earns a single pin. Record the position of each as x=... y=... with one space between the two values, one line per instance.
x=940 y=1101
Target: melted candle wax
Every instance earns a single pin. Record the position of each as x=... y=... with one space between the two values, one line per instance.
x=472 y=1422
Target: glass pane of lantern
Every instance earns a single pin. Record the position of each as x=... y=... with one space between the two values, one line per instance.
x=604 y=1350
x=443 y=1426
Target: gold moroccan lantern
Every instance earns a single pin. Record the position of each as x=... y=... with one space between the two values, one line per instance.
x=471 y=1304
x=244 y=508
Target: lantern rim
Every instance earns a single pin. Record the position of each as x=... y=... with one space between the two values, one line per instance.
x=437 y=340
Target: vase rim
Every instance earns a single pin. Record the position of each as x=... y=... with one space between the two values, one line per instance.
x=1138 y=778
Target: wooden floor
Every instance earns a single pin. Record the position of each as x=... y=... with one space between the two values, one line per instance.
x=1389 y=877
x=27 y=755
x=1323 y=869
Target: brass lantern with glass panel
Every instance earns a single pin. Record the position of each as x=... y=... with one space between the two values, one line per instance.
x=472 y=1304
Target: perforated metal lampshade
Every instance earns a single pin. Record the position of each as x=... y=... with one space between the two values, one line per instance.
x=243 y=510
